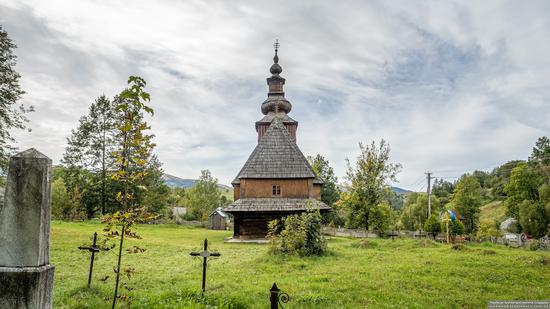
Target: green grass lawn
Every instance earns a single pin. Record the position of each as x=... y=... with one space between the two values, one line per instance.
x=383 y=274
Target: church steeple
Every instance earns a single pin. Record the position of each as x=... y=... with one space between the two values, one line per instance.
x=276 y=105
x=276 y=101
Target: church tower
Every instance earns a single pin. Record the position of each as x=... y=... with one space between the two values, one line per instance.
x=276 y=180
x=276 y=105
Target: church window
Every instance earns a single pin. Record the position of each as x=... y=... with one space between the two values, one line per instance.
x=276 y=190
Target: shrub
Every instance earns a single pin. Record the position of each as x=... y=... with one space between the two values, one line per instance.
x=455 y=228
x=365 y=243
x=459 y=247
x=534 y=245
x=298 y=234
x=433 y=225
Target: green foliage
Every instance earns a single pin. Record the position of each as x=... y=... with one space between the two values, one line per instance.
x=534 y=245
x=500 y=176
x=12 y=115
x=134 y=147
x=433 y=225
x=368 y=179
x=382 y=217
x=415 y=210
x=533 y=218
x=488 y=228
x=541 y=151
x=90 y=147
x=456 y=228
x=64 y=207
x=299 y=234
x=523 y=186
x=466 y=200
x=442 y=189
x=203 y=198
x=118 y=226
x=330 y=193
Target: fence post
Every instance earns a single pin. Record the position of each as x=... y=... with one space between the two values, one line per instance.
x=274 y=297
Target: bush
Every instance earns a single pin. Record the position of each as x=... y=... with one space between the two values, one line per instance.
x=433 y=225
x=365 y=243
x=455 y=228
x=488 y=228
x=298 y=234
x=534 y=245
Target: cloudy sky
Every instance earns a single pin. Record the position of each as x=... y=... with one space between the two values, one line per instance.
x=452 y=86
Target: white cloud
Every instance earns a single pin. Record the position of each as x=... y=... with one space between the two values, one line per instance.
x=452 y=86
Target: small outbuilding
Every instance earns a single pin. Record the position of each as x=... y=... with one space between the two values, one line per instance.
x=218 y=219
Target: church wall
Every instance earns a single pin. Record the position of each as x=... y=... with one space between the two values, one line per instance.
x=290 y=188
x=236 y=192
x=316 y=191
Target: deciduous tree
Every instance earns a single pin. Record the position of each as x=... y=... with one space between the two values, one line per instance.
x=466 y=199
x=368 y=179
x=12 y=115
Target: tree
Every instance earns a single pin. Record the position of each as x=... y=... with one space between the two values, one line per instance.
x=382 y=217
x=500 y=176
x=91 y=147
x=533 y=218
x=63 y=205
x=12 y=116
x=368 y=179
x=203 y=198
x=456 y=228
x=466 y=200
x=433 y=225
x=415 y=211
x=522 y=186
x=156 y=194
x=541 y=151
x=330 y=192
x=135 y=146
x=133 y=151
x=442 y=189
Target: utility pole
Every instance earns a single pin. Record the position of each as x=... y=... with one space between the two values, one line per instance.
x=429 y=193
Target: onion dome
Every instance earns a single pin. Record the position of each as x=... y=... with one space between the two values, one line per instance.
x=276 y=101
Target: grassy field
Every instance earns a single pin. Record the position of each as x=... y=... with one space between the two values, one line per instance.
x=381 y=274
x=493 y=211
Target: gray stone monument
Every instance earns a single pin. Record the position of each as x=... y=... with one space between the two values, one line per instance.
x=26 y=277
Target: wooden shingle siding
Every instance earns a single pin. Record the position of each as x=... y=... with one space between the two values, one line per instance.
x=276 y=156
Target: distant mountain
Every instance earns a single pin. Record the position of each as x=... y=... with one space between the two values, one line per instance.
x=400 y=190
x=176 y=182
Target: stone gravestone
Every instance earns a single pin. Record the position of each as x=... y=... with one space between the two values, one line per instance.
x=26 y=277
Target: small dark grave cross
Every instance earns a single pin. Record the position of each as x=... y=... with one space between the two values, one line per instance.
x=93 y=249
x=205 y=254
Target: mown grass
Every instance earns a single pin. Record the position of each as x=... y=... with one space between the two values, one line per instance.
x=354 y=274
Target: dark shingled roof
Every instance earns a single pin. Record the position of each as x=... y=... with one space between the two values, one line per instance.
x=275 y=204
x=276 y=156
x=269 y=118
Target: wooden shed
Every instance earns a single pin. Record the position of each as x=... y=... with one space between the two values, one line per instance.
x=218 y=219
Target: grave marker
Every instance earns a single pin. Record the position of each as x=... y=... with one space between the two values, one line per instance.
x=204 y=254
x=26 y=277
x=93 y=249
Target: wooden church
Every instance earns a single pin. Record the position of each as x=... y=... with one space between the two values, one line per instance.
x=276 y=180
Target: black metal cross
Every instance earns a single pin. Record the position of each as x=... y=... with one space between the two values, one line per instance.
x=205 y=254
x=93 y=249
x=276 y=45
